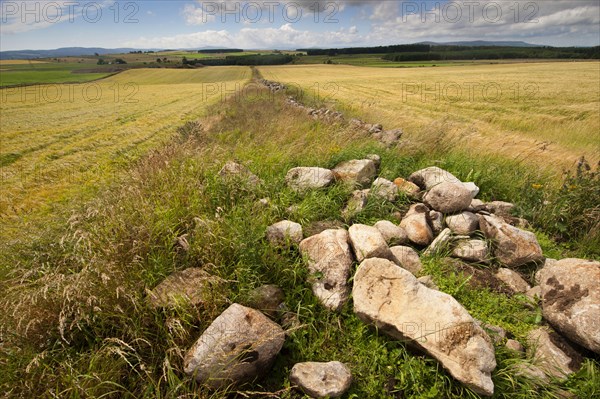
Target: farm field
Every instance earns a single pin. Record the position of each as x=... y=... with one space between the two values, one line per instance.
x=20 y=72
x=373 y=60
x=4 y=63
x=197 y=55
x=59 y=137
x=548 y=113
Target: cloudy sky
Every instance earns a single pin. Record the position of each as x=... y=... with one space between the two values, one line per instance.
x=290 y=24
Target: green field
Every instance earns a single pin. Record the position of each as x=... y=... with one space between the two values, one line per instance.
x=51 y=72
x=194 y=55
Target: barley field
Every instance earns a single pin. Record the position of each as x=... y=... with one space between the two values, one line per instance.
x=20 y=62
x=547 y=113
x=56 y=138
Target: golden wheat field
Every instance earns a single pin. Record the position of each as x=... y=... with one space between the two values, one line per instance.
x=548 y=113
x=56 y=138
x=20 y=62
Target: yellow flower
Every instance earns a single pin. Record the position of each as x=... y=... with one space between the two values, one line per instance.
x=536 y=186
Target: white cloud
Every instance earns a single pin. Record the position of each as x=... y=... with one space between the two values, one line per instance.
x=196 y=15
x=385 y=10
x=573 y=21
x=285 y=36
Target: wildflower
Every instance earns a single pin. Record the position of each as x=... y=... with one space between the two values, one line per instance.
x=536 y=186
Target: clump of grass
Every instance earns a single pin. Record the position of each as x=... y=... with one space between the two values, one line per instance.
x=571 y=212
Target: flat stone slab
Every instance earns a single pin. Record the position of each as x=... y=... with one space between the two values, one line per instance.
x=368 y=242
x=570 y=292
x=239 y=346
x=302 y=179
x=358 y=172
x=284 y=232
x=394 y=301
x=513 y=247
x=471 y=251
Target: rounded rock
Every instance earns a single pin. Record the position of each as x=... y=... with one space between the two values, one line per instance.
x=322 y=380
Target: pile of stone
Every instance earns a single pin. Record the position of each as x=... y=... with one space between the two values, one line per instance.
x=273 y=86
x=390 y=293
x=386 y=137
x=317 y=113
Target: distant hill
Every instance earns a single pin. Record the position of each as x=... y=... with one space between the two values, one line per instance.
x=82 y=52
x=479 y=43
x=61 y=52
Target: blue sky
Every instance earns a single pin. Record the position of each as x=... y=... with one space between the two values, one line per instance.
x=47 y=24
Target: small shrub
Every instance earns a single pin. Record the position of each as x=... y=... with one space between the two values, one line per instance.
x=572 y=212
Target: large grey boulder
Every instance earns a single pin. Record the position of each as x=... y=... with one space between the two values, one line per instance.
x=407 y=258
x=302 y=179
x=385 y=189
x=239 y=346
x=429 y=177
x=394 y=301
x=551 y=353
x=448 y=197
x=471 y=251
x=570 y=292
x=284 y=232
x=368 y=242
x=360 y=172
x=190 y=286
x=416 y=226
x=513 y=247
x=392 y=233
x=322 y=380
x=465 y=223
x=513 y=280
x=235 y=170
x=329 y=263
